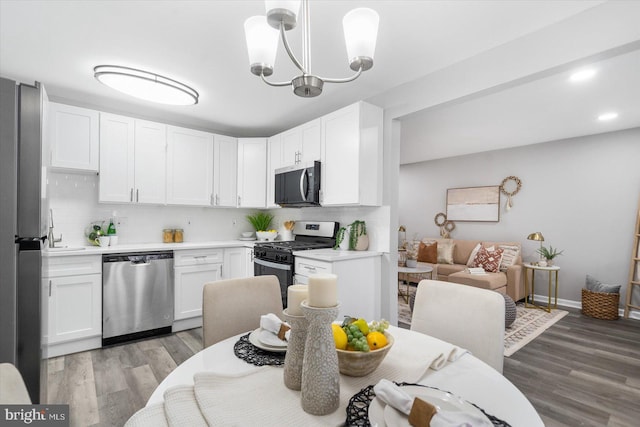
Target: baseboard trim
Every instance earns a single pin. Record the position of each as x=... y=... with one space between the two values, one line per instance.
x=578 y=304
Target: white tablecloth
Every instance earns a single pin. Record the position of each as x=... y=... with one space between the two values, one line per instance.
x=467 y=377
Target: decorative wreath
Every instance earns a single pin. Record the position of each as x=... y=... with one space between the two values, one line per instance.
x=438 y=221
x=449 y=226
x=514 y=192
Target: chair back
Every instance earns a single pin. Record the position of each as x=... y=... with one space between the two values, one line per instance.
x=469 y=317
x=233 y=306
x=13 y=391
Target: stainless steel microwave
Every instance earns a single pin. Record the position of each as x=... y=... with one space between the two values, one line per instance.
x=298 y=185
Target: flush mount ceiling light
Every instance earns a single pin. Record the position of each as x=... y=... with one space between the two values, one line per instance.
x=145 y=85
x=582 y=75
x=360 y=33
x=607 y=116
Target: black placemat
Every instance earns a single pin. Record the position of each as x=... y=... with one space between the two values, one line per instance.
x=256 y=356
x=358 y=407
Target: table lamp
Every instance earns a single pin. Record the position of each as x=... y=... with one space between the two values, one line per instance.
x=537 y=236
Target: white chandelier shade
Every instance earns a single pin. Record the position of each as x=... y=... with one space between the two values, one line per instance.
x=146 y=85
x=262 y=44
x=360 y=34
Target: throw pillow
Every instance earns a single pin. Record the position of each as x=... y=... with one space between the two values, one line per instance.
x=472 y=257
x=428 y=253
x=445 y=252
x=594 y=285
x=489 y=260
x=509 y=256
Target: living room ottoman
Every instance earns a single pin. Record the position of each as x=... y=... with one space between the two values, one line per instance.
x=510 y=311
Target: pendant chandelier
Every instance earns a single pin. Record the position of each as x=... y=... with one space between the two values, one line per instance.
x=360 y=33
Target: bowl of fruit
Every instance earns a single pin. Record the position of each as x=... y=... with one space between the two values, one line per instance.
x=267 y=235
x=361 y=346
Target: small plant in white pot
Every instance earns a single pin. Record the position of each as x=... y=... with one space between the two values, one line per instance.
x=548 y=255
x=353 y=237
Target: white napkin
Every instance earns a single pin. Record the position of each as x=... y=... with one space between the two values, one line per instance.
x=393 y=395
x=270 y=322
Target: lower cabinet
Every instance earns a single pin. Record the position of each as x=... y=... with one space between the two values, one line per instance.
x=72 y=290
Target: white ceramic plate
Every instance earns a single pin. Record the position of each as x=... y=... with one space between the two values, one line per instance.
x=270 y=339
x=385 y=416
x=255 y=340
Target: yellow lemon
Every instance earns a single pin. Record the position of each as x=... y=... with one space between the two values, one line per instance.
x=376 y=340
x=339 y=336
x=362 y=325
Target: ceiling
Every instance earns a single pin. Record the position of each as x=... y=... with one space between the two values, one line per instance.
x=201 y=43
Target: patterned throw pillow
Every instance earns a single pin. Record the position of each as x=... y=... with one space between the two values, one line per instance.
x=445 y=252
x=489 y=260
x=428 y=252
x=509 y=256
x=472 y=257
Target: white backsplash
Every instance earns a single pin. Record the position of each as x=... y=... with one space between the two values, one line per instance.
x=74 y=201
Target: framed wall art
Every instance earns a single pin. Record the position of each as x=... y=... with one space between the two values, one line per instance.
x=474 y=204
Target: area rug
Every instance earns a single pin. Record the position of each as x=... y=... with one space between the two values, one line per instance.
x=529 y=323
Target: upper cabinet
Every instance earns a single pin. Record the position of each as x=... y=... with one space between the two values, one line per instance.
x=252 y=172
x=301 y=144
x=274 y=155
x=352 y=156
x=133 y=155
x=73 y=138
x=189 y=167
x=225 y=171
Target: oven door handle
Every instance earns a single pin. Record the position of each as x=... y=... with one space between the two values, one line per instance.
x=272 y=264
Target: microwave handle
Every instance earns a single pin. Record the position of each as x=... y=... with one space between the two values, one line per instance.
x=303 y=190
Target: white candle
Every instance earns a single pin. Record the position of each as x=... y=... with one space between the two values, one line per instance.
x=323 y=290
x=295 y=295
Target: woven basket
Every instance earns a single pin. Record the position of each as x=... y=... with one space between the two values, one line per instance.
x=600 y=305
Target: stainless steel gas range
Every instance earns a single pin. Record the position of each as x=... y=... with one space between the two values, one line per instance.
x=276 y=258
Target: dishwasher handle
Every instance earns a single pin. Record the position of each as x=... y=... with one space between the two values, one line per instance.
x=137 y=258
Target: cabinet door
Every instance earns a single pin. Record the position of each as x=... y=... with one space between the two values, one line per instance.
x=116 y=158
x=340 y=162
x=311 y=141
x=189 y=282
x=73 y=137
x=248 y=253
x=225 y=158
x=274 y=162
x=75 y=307
x=189 y=167
x=291 y=146
x=150 y=162
x=234 y=263
x=252 y=172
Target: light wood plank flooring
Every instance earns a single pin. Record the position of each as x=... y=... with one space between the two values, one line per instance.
x=580 y=372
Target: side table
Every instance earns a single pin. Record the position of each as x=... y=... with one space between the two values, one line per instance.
x=411 y=271
x=553 y=274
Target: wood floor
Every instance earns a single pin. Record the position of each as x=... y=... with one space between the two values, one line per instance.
x=580 y=372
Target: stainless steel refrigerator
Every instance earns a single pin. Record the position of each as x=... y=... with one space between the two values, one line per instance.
x=21 y=232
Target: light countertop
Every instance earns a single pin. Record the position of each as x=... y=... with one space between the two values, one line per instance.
x=331 y=255
x=143 y=247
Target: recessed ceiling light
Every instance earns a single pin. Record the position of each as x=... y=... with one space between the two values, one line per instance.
x=145 y=85
x=582 y=75
x=607 y=116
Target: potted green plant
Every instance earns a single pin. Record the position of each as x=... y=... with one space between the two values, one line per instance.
x=261 y=221
x=549 y=254
x=355 y=234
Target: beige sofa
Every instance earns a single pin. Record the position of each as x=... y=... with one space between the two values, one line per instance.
x=510 y=282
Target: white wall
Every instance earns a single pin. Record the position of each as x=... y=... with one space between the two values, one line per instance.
x=581 y=193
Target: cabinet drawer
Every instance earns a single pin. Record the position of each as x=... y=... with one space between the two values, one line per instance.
x=71 y=266
x=197 y=256
x=307 y=267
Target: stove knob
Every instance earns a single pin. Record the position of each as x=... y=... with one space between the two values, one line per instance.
x=277 y=257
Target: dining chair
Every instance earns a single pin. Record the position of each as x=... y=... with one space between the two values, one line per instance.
x=233 y=306
x=469 y=317
x=13 y=391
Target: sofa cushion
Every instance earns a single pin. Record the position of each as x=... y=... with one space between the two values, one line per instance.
x=447 y=269
x=445 y=251
x=510 y=254
x=462 y=250
x=428 y=252
x=488 y=259
x=500 y=244
x=494 y=281
x=473 y=254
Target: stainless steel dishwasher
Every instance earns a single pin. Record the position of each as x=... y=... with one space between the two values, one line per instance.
x=137 y=296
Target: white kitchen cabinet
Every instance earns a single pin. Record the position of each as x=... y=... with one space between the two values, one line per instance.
x=252 y=172
x=248 y=254
x=132 y=160
x=192 y=269
x=358 y=283
x=274 y=162
x=73 y=289
x=189 y=167
x=352 y=156
x=235 y=260
x=73 y=138
x=302 y=143
x=225 y=170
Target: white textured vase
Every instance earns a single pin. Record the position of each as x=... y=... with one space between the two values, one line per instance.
x=320 y=373
x=294 y=357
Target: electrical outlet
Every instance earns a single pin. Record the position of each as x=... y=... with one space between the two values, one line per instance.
x=122 y=220
x=233 y=222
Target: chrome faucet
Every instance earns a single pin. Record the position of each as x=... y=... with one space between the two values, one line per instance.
x=50 y=237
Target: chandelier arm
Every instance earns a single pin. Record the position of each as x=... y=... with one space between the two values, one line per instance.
x=279 y=84
x=344 y=80
x=288 y=49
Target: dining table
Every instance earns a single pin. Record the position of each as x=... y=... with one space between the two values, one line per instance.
x=235 y=392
